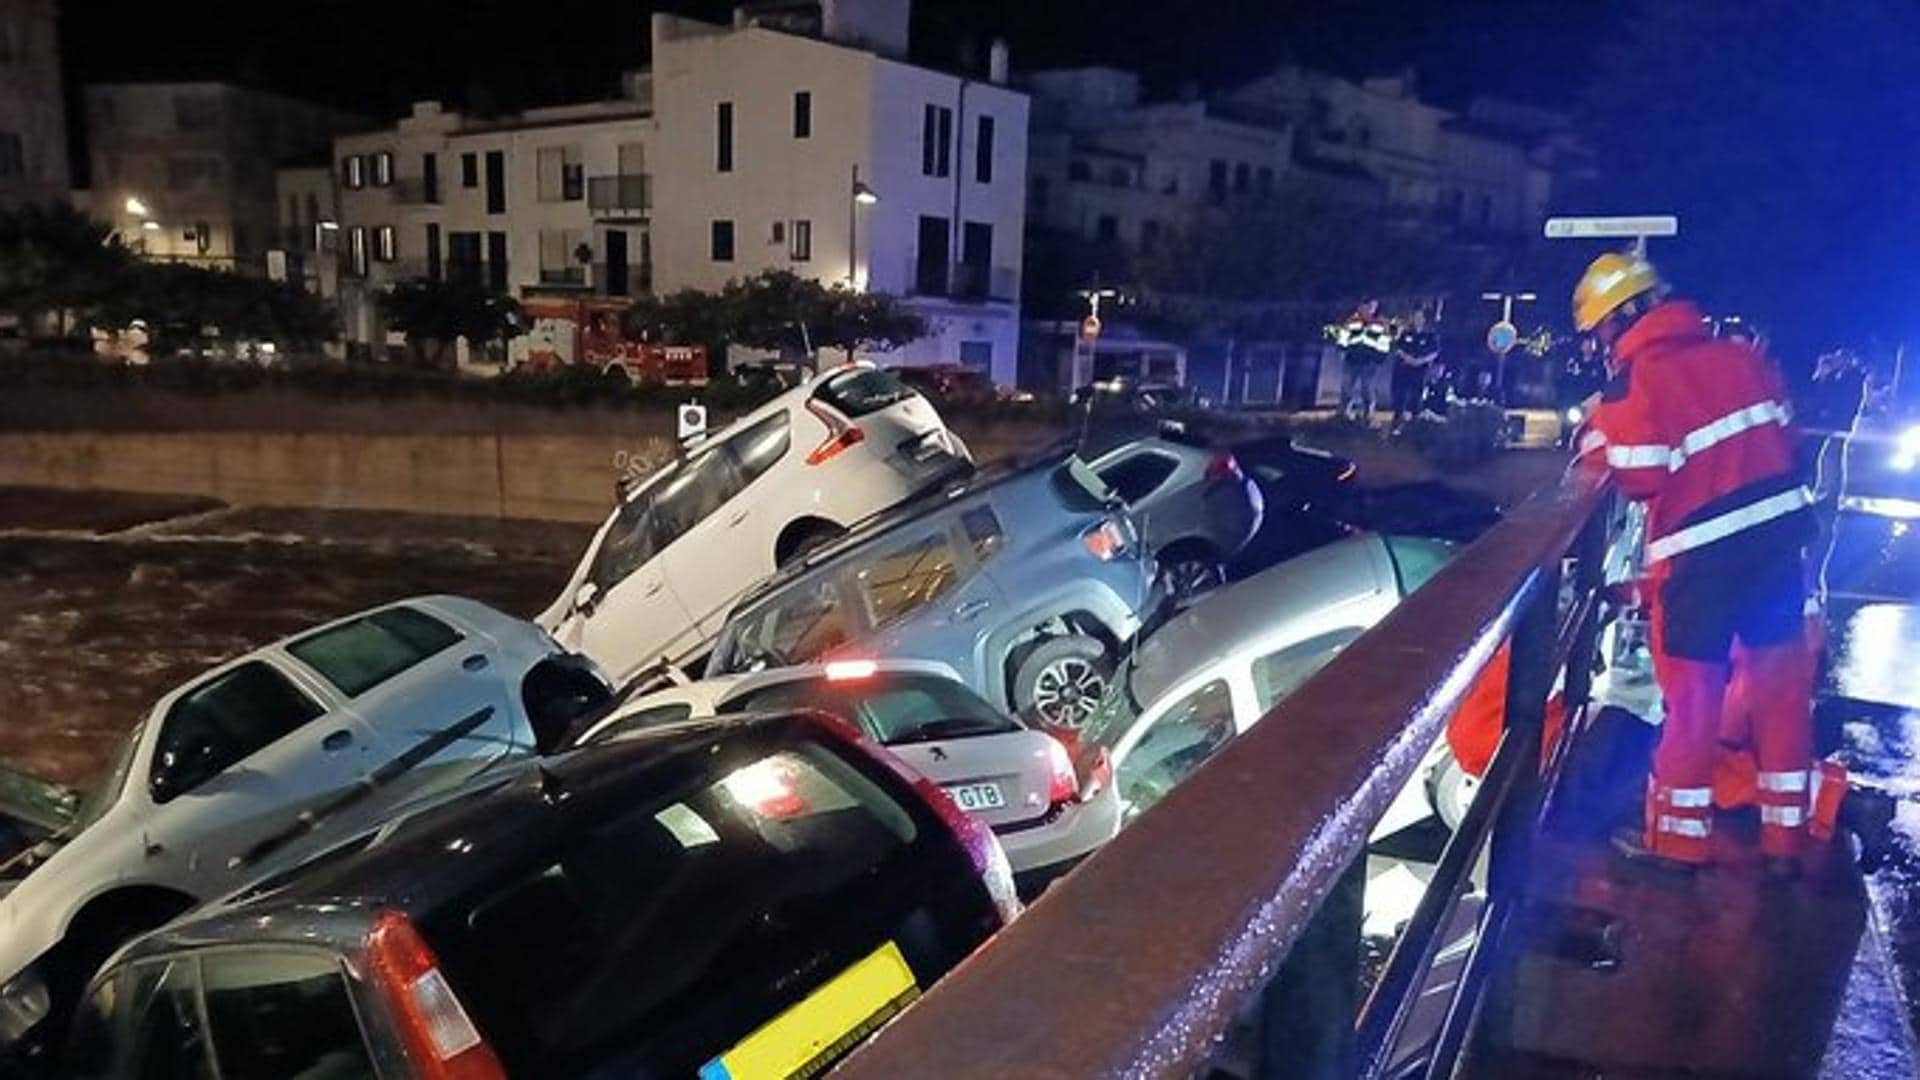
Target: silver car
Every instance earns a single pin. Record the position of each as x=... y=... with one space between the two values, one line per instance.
x=1194 y=506
x=1019 y=781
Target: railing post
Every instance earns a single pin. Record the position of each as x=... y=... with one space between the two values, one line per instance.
x=1529 y=680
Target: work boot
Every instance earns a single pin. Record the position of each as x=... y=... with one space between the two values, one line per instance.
x=1630 y=843
x=1868 y=814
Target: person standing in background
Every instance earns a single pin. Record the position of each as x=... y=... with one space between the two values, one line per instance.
x=1415 y=350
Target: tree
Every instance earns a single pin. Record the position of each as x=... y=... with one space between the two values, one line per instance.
x=769 y=311
x=55 y=260
x=188 y=306
x=433 y=313
x=1778 y=131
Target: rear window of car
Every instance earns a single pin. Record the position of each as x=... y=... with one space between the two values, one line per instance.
x=893 y=709
x=278 y=1013
x=1279 y=673
x=681 y=914
x=867 y=390
x=356 y=656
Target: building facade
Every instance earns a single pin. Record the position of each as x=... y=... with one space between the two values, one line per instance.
x=33 y=118
x=185 y=171
x=795 y=138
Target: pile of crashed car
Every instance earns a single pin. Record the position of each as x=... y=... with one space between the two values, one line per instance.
x=433 y=840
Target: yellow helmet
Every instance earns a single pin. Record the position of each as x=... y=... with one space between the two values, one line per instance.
x=1612 y=280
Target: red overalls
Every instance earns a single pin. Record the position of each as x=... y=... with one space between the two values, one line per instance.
x=1700 y=430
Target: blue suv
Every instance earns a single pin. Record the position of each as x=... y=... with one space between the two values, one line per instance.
x=1026 y=581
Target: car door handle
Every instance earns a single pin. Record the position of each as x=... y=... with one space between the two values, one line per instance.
x=337 y=741
x=654 y=586
x=738 y=518
x=476 y=662
x=971 y=608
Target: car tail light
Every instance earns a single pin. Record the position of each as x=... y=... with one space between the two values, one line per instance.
x=1105 y=541
x=841 y=434
x=1223 y=466
x=1062 y=785
x=441 y=1042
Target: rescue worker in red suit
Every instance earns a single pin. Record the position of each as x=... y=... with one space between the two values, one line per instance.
x=1700 y=430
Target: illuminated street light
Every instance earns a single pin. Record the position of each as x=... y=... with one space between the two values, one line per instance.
x=136 y=207
x=330 y=226
x=858 y=195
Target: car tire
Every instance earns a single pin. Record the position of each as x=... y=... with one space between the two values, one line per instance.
x=805 y=540
x=1191 y=570
x=1450 y=791
x=1060 y=681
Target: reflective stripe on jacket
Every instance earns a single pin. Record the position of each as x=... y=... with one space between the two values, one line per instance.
x=1699 y=429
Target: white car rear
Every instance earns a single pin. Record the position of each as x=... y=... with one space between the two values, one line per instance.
x=1020 y=781
x=662 y=573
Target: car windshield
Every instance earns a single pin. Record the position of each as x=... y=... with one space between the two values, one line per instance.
x=894 y=709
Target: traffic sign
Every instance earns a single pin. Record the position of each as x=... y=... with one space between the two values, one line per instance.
x=1601 y=228
x=1502 y=337
x=1090 y=327
x=692 y=421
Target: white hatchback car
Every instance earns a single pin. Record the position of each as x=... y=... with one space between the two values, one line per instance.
x=227 y=772
x=660 y=576
x=1214 y=670
x=1019 y=781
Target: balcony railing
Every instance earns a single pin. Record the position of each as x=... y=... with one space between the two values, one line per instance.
x=564 y=276
x=639 y=279
x=984 y=282
x=413 y=191
x=626 y=193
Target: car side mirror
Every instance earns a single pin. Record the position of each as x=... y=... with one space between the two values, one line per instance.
x=586 y=597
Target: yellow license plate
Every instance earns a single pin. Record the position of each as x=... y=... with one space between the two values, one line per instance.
x=810 y=1036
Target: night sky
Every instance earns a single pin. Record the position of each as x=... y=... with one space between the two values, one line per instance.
x=374 y=56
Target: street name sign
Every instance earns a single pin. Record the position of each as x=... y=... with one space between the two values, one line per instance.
x=1602 y=228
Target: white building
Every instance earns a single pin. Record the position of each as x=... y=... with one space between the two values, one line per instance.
x=185 y=171
x=797 y=138
x=33 y=116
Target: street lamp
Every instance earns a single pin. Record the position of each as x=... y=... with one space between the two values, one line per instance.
x=1089 y=332
x=136 y=206
x=858 y=195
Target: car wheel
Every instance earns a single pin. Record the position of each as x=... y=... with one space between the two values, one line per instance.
x=1450 y=791
x=1191 y=572
x=1060 y=683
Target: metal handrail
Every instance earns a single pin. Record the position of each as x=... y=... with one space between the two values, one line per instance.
x=1138 y=962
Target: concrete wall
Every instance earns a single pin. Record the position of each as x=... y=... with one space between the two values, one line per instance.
x=552 y=478
x=534 y=477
